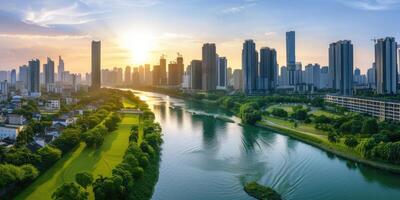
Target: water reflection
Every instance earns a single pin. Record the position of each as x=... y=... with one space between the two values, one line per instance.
x=207 y=158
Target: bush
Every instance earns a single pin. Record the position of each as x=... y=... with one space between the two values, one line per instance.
x=332 y=137
x=351 y=141
x=70 y=191
x=49 y=155
x=261 y=192
x=279 y=112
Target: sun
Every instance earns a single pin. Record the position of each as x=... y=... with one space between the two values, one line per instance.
x=139 y=45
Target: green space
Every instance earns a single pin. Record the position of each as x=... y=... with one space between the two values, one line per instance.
x=98 y=161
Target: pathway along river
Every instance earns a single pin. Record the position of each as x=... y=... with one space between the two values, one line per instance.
x=204 y=158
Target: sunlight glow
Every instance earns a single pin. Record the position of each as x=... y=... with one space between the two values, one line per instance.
x=139 y=44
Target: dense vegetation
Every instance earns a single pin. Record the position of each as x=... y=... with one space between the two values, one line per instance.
x=19 y=158
x=261 y=192
x=128 y=179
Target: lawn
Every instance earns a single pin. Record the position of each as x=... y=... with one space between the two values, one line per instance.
x=128 y=103
x=97 y=161
x=319 y=112
x=286 y=107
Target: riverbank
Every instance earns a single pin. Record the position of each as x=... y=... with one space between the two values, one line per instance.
x=325 y=145
x=316 y=140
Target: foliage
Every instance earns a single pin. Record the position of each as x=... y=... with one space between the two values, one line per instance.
x=11 y=174
x=249 y=113
x=49 y=155
x=84 y=179
x=261 y=192
x=70 y=191
x=279 y=112
x=351 y=141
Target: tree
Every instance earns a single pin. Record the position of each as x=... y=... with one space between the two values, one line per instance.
x=49 y=155
x=300 y=114
x=370 y=126
x=351 y=141
x=249 y=113
x=105 y=188
x=279 y=112
x=70 y=191
x=332 y=137
x=84 y=179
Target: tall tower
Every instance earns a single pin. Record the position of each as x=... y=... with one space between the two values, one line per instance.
x=249 y=67
x=96 y=64
x=163 y=71
x=128 y=75
x=386 y=65
x=209 y=67
x=341 y=66
x=48 y=72
x=60 y=70
x=34 y=76
x=222 y=72
x=291 y=55
x=268 y=69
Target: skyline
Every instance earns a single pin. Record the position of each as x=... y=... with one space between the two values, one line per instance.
x=130 y=30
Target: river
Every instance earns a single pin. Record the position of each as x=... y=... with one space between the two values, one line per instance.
x=204 y=158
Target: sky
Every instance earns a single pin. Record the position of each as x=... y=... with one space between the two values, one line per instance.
x=135 y=32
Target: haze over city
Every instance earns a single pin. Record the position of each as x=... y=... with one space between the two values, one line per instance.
x=140 y=31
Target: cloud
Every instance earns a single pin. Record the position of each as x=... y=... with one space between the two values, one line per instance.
x=54 y=37
x=121 y=3
x=372 y=4
x=237 y=9
x=68 y=15
x=269 y=33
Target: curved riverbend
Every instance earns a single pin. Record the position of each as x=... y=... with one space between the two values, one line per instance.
x=207 y=157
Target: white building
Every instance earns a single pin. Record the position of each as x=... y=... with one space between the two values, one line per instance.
x=10 y=132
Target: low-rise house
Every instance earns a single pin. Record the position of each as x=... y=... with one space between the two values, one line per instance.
x=10 y=132
x=54 y=130
x=65 y=120
x=53 y=104
x=16 y=119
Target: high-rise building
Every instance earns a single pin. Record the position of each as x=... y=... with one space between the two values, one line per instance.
x=284 y=77
x=386 y=65
x=249 y=67
x=357 y=76
x=175 y=72
x=163 y=71
x=229 y=77
x=209 y=67
x=324 y=78
x=48 y=69
x=237 y=77
x=222 y=72
x=291 y=56
x=268 y=69
x=3 y=75
x=312 y=75
x=60 y=68
x=147 y=75
x=23 y=75
x=13 y=77
x=156 y=75
x=96 y=64
x=196 y=75
x=118 y=76
x=371 y=76
x=34 y=77
x=127 y=75
x=341 y=66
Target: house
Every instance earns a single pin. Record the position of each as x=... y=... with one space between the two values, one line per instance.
x=54 y=130
x=10 y=132
x=53 y=104
x=16 y=119
x=64 y=120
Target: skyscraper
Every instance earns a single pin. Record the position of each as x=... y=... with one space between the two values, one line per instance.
x=268 y=69
x=34 y=76
x=312 y=75
x=60 y=68
x=291 y=56
x=13 y=77
x=237 y=77
x=147 y=74
x=341 y=66
x=127 y=75
x=23 y=75
x=96 y=64
x=249 y=67
x=324 y=78
x=209 y=67
x=222 y=72
x=284 y=77
x=162 y=71
x=371 y=76
x=196 y=74
x=175 y=72
x=48 y=72
x=386 y=65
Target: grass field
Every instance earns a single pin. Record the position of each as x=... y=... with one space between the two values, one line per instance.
x=286 y=107
x=97 y=161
